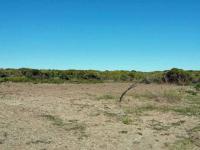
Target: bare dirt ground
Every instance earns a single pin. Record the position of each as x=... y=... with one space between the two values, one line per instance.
x=88 y=117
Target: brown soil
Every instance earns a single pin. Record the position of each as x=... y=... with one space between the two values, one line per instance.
x=88 y=117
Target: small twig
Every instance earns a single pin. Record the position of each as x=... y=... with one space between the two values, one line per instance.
x=132 y=86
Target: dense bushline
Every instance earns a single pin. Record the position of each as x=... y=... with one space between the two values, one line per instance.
x=174 y=75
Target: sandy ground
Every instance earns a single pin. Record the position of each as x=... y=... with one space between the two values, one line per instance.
x=87 y=117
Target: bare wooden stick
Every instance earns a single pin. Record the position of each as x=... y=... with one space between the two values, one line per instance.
x=130 y=87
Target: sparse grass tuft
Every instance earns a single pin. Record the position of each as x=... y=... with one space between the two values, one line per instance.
x=191 y=92
x=3 y=138
x=74 y=126
x=126 y=120
x=56 y=121
x=71 y=125
x=39 y=142
x=188 y=111
x=178 y=123
x=195 y=129
x=106 y=97
x=193 y=110
x=123 y=132
x=146 y=95
x=172 y=96
x=110 y=114
x=156 y=125
x=191 y=99
x=184 y=144
x=194 y=135
x=140 y=110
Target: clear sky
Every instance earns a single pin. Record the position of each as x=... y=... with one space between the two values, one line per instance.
x=140 y=35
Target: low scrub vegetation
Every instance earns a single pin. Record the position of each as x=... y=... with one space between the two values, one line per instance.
x=174 y=75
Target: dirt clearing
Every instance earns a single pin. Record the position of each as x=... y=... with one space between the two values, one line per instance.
x=88 y=117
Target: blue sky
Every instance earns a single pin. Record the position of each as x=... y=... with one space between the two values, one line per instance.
x=140 y=35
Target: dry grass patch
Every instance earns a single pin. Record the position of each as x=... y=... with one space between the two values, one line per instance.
x=194 y=135
x=184 y=144
x=193 y=110
x=3 y=137
x=191 y=142
x=106 y=97
x=161 y=96
x=42 y=141
x=72 y=125
x=180 y=102
x=55 y=120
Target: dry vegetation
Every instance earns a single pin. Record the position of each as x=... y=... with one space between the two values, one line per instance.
x=89 y=116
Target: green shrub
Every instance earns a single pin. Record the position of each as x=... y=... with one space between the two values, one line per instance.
x=124 y=77
x=18 y=79
x=34 y=75
x=197 y=87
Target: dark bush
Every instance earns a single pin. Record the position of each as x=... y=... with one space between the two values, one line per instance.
x=178 y=76
x=2 y=75
x=64 y=77
x=146 y=81
x=91 y=76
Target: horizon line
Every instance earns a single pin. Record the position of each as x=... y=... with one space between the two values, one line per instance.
x=101 y=70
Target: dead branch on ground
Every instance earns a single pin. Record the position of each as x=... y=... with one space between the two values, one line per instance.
x=130 y=87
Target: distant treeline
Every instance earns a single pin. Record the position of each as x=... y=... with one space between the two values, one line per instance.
x=174 y=75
